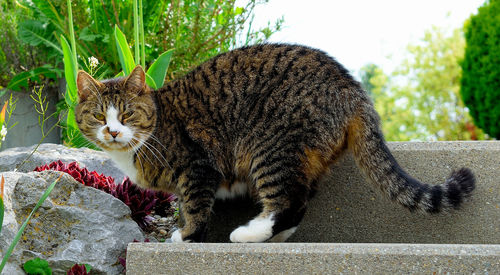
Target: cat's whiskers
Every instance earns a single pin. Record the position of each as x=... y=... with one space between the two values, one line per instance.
x=132 y=144
x=157 y=155
x=149 y=145
x=140 y=151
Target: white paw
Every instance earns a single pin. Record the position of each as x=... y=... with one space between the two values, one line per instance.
x=177 y=237
x=257 y=230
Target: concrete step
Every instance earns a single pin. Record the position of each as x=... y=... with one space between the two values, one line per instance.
x=312 y=258
x=347 y=210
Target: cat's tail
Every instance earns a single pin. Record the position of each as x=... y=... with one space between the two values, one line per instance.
x=366 y=141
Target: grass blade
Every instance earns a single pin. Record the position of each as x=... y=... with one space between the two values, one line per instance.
x=141 y=33
x=2 y=183
x=23 y=226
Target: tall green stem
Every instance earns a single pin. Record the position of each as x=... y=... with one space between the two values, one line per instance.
x=141 y=29
x=136 y=34
x=72 y=36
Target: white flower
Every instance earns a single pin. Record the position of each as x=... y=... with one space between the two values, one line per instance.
x=93 y=62
x=3 y=132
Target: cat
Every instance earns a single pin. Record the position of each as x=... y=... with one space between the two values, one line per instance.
x=265 y=120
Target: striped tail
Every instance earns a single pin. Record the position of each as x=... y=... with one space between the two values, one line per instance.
x=379 y=166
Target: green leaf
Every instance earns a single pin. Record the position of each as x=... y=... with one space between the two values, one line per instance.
x=48 y=8
x=158 y=69
x=87 y=35
x=150 y=81
x=20 y=81
x=25 y=223
x=37 y=266
x=34 y=33
x=70 y=120
x=2 y=210
x=88 y=268
x=124 y=53
x=70 y=74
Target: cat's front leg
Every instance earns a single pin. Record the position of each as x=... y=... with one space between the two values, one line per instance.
x=196 y=188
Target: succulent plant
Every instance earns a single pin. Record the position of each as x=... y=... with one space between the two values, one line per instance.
x=140 y=201
x=79 y=269
x=82 y=175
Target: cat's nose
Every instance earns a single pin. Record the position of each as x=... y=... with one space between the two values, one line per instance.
x=114 y=133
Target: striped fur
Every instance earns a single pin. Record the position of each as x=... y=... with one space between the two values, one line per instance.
x=272 y=116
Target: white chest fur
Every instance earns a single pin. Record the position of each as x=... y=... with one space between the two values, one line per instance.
x=125 y=161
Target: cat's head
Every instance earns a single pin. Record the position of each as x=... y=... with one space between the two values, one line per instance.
x=116 y=114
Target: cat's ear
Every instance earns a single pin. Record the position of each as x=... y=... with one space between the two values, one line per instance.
x=136 y=81
x=86 y=85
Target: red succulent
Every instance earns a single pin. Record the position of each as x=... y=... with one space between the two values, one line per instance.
x=140 y=201
x=78 y=270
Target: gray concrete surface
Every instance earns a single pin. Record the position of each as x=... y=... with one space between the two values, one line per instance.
x=350 y=228
x=312 y=258
x=27 y=131
x=347 y=209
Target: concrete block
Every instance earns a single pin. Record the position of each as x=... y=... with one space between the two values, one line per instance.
x=347 y=209
x=350 y=228
x=311 y=258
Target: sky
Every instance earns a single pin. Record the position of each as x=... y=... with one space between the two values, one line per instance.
x=358 y=32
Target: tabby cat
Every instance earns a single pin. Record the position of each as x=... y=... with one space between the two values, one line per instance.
x=265 y=120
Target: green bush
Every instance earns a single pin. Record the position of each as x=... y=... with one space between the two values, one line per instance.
x=196 y=30
x=480 y=83
x=15 y=56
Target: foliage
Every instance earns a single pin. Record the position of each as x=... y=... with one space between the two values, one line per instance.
x=480 y=81
x=421 y=100
x=197 y=30
x=140 y=201
x=9 y=251
x=15 y=56
x=37 y=266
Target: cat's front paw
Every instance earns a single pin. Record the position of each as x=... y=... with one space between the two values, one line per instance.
x=177 y=237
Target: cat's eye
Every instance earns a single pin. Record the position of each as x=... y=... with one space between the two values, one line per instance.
x=100 y=117
x=126 y=116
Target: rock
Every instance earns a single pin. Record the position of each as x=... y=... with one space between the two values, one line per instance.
x=76 y=224
x=47 y=153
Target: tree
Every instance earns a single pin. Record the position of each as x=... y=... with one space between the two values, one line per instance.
x=421 y=101
x=481 y=68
